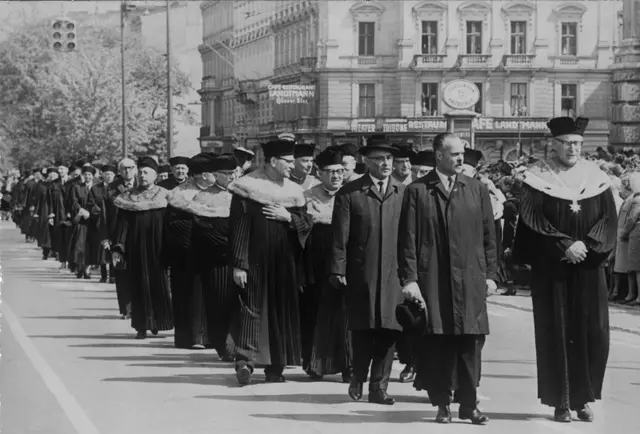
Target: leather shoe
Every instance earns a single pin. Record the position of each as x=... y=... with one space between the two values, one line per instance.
x=444 y=414
x=562 y=415
x=408 y=374
x=274 y=378
x=243 y=375
x=355 y=390
x=585 y=414
x=474 y=415
x=380 y=397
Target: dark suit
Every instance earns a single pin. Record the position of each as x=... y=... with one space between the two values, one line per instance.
x=365 y=235
x=447 y=245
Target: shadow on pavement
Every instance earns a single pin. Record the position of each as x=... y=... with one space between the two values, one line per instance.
x=109 y=336
x=195 y=358
x=402 y=416
x=99 y=291
x=308 y=398
x=65 y=317
x=93 y=298
x=227 y=380
x=508 y=376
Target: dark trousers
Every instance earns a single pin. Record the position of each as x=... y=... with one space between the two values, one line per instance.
x=452 y=362
x=405 y=349
x=373 y=347
x=123 y=291
x=242 y=360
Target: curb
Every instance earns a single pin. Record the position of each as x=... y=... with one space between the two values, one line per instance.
x=527 y=309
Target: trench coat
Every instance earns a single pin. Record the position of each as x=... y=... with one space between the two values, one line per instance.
x=365 y=236
x=447 y=244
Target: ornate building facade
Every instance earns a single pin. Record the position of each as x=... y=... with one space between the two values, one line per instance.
x=380 y=66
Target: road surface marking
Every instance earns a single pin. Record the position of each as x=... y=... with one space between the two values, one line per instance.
x=625 y=344
x=72 y=409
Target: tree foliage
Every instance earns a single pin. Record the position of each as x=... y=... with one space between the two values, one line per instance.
x=68 y=105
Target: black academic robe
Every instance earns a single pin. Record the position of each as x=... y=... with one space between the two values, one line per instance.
x=209 y=255
x=170 y=183
x=41 y=228
x=570 y=309
x=138 y=237
x=186 y=292
x=26 y=204
x=324 y=310
x=84 y=246
x=267 y=329
x=60 y=231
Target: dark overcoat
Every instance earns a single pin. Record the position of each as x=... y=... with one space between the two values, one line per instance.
x=447 y=245
x=365 y=236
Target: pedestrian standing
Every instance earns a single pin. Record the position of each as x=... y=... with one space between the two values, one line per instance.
x=365 y=234
x=446 y=262
x=566 y=230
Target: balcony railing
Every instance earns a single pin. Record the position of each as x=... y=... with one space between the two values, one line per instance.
x=518 y=60
x=367 y=60
x=429 y=59
x=568 y=60
x=474 y=60
x=308 y=63
x=205 y=131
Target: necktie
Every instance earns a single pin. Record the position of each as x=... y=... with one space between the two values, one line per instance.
x=450 y=186
x=381 y=187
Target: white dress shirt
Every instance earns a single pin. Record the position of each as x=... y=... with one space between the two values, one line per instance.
x=445 y=180
x=376 y=183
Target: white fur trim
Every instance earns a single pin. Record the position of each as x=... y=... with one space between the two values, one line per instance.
x=211 y=202
x=258 y=187
x=136 y=200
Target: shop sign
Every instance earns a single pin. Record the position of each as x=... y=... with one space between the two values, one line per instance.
x=292 y=93
x=439 y=125
x=460 y=94
x=511 y=124
x=394 y=126
x=363 y=127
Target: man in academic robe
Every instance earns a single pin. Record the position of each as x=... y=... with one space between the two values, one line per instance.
x=27 y=209
x=186 y=292
x=326 y=341
x=422 y=163
x=301 y=173
x=269 y=227
x=244 y=157
x=205 y=197
x=61 y=231
x=100 y=198
x=163 y=173
x=41 y=216
x=137 y=246
x=127 y=181
x=364 y=265
x=179 y=173
x=566 y=229
x=446 y=263
x=402 y=162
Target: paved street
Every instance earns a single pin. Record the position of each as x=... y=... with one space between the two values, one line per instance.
x=70 y=365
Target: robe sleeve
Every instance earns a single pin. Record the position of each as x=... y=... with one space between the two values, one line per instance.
x=532 y=221
x=489 y=232
x=601 y=238
x=301 y=223
x=407 y=232
x=341 y=227
x=120 y=232
x=239 y=233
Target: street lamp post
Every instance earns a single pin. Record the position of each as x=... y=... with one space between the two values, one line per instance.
x=123 y=7
x=169 y=92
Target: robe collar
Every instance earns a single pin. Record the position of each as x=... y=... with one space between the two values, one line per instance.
x=257 y=186
x=582 y=181
x=210 y=202
x=320 y=204
x=137 y=199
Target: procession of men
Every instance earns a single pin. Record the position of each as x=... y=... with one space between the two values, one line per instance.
x=304 y=260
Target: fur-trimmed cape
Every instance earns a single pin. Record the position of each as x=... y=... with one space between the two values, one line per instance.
x=320 y=204
x=581 y=181
x=211 y=202
x=142 y=200
x=257 y=186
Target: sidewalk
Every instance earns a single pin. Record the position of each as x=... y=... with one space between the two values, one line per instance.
x=621 y=318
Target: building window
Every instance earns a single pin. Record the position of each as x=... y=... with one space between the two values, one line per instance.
x=478 y=106
x=429 y=37
x=519 y=99
x=429 y=99
x=474 y=37
x=568 y=99
x=367 y=100
x=569 y=39
x=518 y=37
x=366 y=38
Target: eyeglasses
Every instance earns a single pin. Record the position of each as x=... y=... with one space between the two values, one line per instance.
x=339 y=172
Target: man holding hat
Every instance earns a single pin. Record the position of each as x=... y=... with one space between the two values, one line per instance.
x=301 y=173
x=207 y=287
x=269 y=227
x=446 y=264
x=179 y=172
x=364 y=263
x=137 y=247
x=566 y=229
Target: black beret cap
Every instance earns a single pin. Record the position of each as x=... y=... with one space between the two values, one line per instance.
x=567 y=125
x=179 y=160
x=349 y=149
x=148 y=162
x=472 y=157
x=165 y=168
x=202 y=163
x=404 y=150
x=92 y=170
x=225 y=162
x=244 y=153
x=424 y=158
x=109 y=168
x=304 y=150
x=278 y=148
x=329 y=157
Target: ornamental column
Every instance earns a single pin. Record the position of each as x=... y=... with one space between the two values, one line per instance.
x=625 y=119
